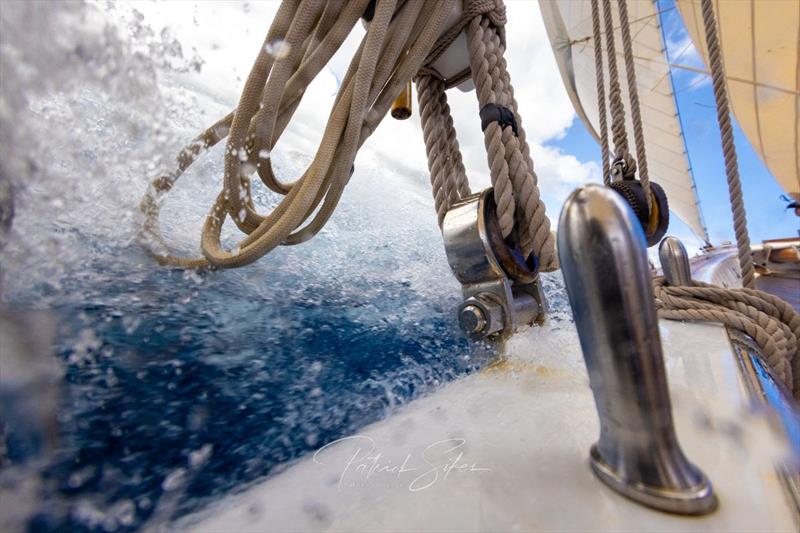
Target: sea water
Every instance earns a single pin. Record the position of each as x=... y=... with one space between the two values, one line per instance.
x=132 y=393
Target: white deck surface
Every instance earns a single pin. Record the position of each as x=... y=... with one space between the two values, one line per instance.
x=523 y=430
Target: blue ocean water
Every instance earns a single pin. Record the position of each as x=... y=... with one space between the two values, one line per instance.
x=178 y=387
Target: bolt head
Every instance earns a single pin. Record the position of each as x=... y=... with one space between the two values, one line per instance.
x=472 y=320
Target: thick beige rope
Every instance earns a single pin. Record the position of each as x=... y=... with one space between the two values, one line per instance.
x=402 y=40
x=771 y=322
x=633 y=96
x=616 y=107
x=516 y=192
x=448 y=176
x=520 y=210
x=717 y=68
x=601 y=91
x=397 y=41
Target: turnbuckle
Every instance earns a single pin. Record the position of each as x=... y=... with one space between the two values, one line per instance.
x=501 y=288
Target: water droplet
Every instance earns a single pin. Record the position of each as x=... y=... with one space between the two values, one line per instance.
x=278 y=48
x=174 y=479
x=201 y=456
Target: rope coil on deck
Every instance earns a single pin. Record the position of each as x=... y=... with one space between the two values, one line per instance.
x=770 y=321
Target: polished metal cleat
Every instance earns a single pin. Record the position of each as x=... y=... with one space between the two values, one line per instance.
x=603 y=256
x=501 y=290
x=675 y=262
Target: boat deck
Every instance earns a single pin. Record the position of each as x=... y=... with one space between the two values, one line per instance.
x=783 y=287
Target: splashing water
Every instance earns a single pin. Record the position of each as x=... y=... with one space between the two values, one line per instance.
x=160 y=389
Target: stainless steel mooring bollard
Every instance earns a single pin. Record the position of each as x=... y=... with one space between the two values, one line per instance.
x=675 y=262
x=603 y=258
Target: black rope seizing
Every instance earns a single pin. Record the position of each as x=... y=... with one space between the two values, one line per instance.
x=500 y=114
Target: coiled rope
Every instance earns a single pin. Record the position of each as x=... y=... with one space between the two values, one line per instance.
x=771 y=322
x=402 y=40
x=395 y=45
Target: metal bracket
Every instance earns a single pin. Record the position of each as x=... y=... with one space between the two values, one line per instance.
x=501 y=290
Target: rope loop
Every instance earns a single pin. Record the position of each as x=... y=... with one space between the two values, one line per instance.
x=520 y=211
x=397 y=41
x=771 y=322
x=402 y=40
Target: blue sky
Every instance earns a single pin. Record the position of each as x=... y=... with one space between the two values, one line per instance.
x=766 y=213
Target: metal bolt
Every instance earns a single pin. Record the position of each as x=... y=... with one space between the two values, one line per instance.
x=472 y=320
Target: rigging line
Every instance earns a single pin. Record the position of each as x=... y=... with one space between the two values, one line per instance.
x=666 y=54
x=683 y=50
x=616 y=105
x=634 y=21
x=694 y=83
x=683 y=137
x=755 y=73
x=717 y=65
x=729 y=77
x=688 y=68
x=601 y=93
x=633 y=97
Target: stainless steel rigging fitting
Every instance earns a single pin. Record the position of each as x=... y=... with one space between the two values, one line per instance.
x=675 y=262
x=501 y=290
x=602 y=251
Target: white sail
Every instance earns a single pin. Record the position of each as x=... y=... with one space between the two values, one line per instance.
x=760 y=43
x=569 y=26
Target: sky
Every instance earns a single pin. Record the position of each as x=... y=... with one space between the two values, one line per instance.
x=564 y=154
x=767 y=216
